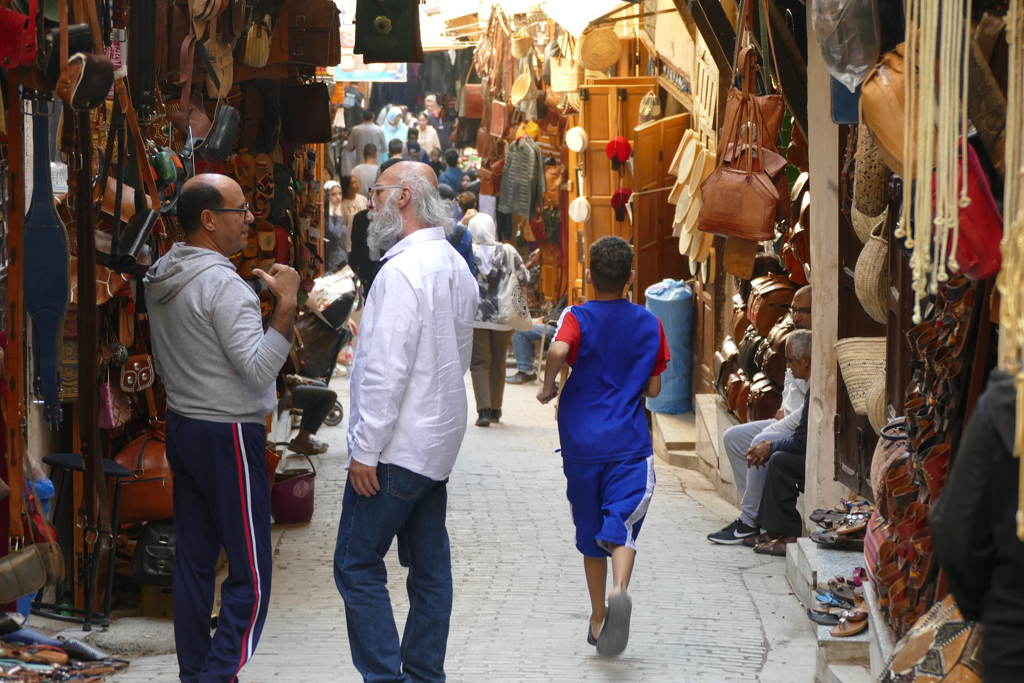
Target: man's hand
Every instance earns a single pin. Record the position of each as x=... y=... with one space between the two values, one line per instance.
x=468 y=216
x=780 y=414
x=363 y=478
x=353 y=327
x=759 y=453
x=282 y=280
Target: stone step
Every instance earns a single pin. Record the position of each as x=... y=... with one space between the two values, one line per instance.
x=685 y=459
x=673 y=432
x=848 y=673
x=802 y=569
x=832 y=651
x=880 y=640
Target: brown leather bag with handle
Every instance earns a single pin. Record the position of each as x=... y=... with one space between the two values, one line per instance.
x=738 y=200
x=764 y=400
x=770 y=298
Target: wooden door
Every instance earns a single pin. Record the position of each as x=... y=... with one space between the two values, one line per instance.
x=608 y=111
x=657 y=251
x=855 y=439
x=900 y=314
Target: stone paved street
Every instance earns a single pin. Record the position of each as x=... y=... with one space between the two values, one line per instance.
x=702 y=613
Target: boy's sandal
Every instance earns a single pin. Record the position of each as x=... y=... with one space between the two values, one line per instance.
x=614 y=634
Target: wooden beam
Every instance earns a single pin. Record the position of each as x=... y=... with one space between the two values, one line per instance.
x=714 y=26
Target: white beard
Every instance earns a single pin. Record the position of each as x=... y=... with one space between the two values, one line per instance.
x=386 y=226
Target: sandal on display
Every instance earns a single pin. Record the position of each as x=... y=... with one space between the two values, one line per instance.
x=850 y=624
x=824 y=618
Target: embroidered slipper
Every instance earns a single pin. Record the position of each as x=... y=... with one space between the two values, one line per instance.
x=245 y=174
x=615 y=632
x=264 y=187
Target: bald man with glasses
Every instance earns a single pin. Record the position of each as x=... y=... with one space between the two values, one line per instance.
x=219 y=369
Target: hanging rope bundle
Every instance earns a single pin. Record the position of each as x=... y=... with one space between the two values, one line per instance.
x=935 y=137
x=1011 y=277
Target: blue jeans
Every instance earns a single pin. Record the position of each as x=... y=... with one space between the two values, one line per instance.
x=523 y=342
x=411 y=507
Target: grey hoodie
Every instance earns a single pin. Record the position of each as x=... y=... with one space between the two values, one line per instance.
x=208 y=341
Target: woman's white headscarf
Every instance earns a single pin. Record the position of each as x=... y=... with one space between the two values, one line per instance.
x=328 y=186
x=481 y=228
x=394 y=127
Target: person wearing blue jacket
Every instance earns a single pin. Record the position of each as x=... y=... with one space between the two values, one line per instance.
x=784 y=481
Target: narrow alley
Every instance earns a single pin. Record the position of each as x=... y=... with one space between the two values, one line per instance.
x=701 y=612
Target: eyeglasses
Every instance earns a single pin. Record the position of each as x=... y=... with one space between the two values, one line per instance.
x=243 y=210
x=801 y=311
x=375 y=189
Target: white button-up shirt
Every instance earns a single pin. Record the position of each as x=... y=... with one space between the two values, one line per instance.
x=409 y=405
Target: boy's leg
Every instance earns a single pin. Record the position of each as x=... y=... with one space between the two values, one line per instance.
x=622 y=568
x=597 y=580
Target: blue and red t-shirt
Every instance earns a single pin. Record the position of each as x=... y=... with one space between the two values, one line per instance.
x=615 y=346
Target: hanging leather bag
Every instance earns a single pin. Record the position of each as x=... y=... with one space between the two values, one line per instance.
x=17 y=36
x=218 y=142
x=771 y=107
x=738 y=322
x=153 y=560
x=314 y=32
x=748 y=346
x=148 y=495
x=981 y=225
x=25 y=570
x=770 y=298
x=881 y=107
x=387 y=31
x=725 y=364
x=773 y=351
x=740 y=201
x=305 y=113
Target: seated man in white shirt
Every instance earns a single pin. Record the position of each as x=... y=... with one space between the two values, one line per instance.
x=745 y=438
x=407 y=420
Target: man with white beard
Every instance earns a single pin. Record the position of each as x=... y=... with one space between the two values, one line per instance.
x=406 y=423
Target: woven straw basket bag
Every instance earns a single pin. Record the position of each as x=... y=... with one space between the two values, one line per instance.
x=871 y=277
x=871 y=177
x=566 y=72
x=876 y=403
x=860 y=359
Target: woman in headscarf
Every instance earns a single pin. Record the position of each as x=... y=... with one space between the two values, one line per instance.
x=336 y=247
x=394 y=127
x=495 y=264
x=428 y=135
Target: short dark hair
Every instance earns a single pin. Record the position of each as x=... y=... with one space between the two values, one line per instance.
x=446 y=191
x=193 y=200
x=346 y=183
x=413 y=148
x=394 y=147
x=414 y=134
x=611 y=260
x=467 y=201
x=451 y=157
x=367 y=115
x=369 y=150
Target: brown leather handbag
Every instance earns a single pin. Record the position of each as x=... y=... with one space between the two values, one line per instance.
x=734 y=386
x=881 y=107
x=500 y=118
x=740 y=200
x=148 y=495
x=771 y=107
x=725 y=364
x=772 y=352
x=738 y=322
x=770 y=298
x=305 y=113
x=764 y=400
x=314 y=32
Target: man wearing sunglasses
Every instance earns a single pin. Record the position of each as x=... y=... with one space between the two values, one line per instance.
x=219 y=369
x=406 y=423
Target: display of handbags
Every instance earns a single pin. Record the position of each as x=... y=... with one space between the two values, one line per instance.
x=770 y=298
x=764 y=399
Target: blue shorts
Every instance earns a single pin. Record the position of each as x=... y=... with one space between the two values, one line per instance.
x=609 y=501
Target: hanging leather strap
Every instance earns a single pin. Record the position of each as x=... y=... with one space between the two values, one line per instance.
x=14 y=358
x=94 y=22
x=142 y=159
x=64 y=83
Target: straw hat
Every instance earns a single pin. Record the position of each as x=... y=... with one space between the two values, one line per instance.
x=692 y=214
x=520 y=88
x=685 y=241
x=682 y=206
x=703 y=166
x=573 y=100
x=674 y=166
x=577 y=139
x=693 y=147
x=579 y=210
x=860 y=359
x=678 y=193
x=599 y=49
x=700 y=249
x=875 y=400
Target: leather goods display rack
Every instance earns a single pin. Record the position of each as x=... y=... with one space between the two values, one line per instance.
x=194 y=99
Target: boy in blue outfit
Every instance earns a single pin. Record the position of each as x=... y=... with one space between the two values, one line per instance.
x=617 y=351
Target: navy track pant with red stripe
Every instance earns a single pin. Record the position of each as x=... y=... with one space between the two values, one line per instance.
x=221 y=499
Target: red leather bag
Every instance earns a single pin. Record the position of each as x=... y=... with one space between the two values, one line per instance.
x=148 y=495
x=18 y=37
x=981 y=225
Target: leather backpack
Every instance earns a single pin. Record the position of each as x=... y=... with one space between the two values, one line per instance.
x=772 y=352
x=764 y=400
x=734 y=387
x=148 y=495
x=314 y=32
x=725 y=363
x=748 y=350
x=738 y=322
x=770 y=298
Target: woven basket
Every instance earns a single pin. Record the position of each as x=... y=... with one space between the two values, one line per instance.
x=860 y=360
x=871 y=277
x=871 y=177
x=520 y=88
x=599 y=49
x=864 y=225
x=875 y=401
x=566 y=75
x=521 y=43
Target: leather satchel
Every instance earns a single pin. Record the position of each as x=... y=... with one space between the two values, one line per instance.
x=725 y=364
x=734 y=389
x=18 y=37
x=305 y=113
x=771 y=107
x=386 y=31
x=770 y=298
x=942 y=647
x=48 y=55
x=748 y=352
x=35 y=566
x=153 y=560
x=764 y=400
x=148 y=495
x=473 y=101
x=314 y=32
x=739 y=201
x=218 y=142
x=500 y=118
x=881 y=107
x=773 y=351
x=136 y=375
x=738 y=323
